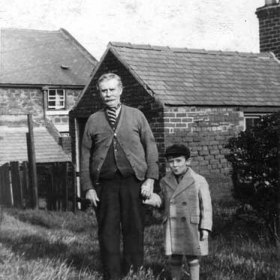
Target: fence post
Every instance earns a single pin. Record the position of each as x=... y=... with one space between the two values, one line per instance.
x=32 y=161
x=16 y=184
x=65 y=185
x=74 y=188
x=51 y=193
x=27 y=193
x=55 y=189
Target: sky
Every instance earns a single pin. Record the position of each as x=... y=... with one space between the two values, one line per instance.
x=228 y=25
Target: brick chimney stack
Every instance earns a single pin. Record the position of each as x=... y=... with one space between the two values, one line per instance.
x=269 y=27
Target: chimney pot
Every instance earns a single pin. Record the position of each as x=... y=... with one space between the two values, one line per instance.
x=270 y=2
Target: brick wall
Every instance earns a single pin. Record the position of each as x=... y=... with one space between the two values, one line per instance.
x=269 y=29
x=206 y=132
x=65 y=143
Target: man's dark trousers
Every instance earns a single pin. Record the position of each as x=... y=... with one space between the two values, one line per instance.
x=120 y=209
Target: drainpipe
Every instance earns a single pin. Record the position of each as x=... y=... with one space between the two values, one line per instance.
x=44 y=90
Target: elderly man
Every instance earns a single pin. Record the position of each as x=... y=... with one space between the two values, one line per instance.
x=119 y=166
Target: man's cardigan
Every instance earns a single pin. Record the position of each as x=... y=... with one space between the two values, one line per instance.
x=133 y=134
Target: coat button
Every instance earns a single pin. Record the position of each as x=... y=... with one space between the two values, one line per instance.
x=184 y=203
x=183 y=219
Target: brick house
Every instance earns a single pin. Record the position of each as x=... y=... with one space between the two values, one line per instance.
x=43 y=73
x=197 y=97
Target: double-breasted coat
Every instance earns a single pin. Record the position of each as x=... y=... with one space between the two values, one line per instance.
x=188 y=210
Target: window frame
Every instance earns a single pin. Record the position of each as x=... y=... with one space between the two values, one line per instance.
x=57 y=99
x=252 y=116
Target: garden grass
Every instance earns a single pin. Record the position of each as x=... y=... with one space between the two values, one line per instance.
x=63 y=245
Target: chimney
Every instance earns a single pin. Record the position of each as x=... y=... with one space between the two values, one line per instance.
x=269 y=27
x=270 y=2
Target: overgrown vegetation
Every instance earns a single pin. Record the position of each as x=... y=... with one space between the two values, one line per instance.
x=255 y=162
x=61 y=245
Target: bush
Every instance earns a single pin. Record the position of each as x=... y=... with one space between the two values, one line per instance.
x=254 y=158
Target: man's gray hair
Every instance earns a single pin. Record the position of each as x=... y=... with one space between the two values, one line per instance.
x=109 y=76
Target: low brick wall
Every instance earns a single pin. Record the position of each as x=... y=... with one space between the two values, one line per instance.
x=65 y=142
x=206 y=132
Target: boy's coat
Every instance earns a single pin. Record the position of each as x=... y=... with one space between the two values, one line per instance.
x=187 y=210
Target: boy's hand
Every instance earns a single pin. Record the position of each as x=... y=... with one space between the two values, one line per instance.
x=154 y=200
x=203 y=234
x=147 y=188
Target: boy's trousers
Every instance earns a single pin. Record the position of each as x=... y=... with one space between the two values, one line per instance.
x=120 y=210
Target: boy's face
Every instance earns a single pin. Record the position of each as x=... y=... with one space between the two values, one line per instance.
x=179 y=165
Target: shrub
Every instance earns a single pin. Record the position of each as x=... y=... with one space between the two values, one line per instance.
x=254 y=158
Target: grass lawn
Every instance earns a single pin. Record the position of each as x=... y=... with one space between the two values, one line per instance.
x=62 y=245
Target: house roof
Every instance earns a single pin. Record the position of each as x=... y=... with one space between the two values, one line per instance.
x=180 y=76
x=39 y=57
x=13 y=146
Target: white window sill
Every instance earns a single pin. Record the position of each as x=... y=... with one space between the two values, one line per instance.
x=56 y=112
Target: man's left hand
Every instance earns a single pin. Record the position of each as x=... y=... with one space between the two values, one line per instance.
x=147 y=188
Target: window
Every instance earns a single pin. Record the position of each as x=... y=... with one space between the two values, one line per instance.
x=251 y=120
x=56 y=99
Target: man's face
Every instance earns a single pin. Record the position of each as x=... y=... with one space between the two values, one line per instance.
x=179 y=165
x=110 y=92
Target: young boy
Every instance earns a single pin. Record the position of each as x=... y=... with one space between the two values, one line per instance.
x=188 y=212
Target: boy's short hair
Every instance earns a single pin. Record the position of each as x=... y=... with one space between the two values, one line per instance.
x=177 y=150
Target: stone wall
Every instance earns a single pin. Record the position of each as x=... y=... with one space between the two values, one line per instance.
x=21 y=101
x=16 y=103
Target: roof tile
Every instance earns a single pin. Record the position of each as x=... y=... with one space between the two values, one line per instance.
x=200 y=77
x=13 y=146
x=37 y=57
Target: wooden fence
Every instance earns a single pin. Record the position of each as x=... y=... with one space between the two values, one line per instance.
x=56 y=186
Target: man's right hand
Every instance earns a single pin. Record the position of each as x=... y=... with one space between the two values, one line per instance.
x=92 y=196
x=154 y=200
